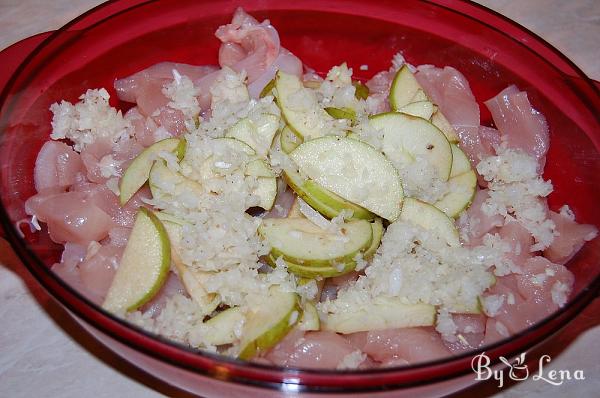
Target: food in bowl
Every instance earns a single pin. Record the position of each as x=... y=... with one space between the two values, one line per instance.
x=262 y=211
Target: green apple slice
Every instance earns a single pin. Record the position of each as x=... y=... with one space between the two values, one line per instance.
x=266 y=189
x=294 y=211
x=342 y=113
x=460 y=162
x=471 y=309
x=267 y=90
x=439 y=120
x=312 y=84
x=474 y=306
x=144 y=266
x=461 y=185
x=353 y=170
x=404 y=88
x=289 y=140
x=166 y=183
x=300 y=241
x=377 y=227
x=379 y=314
x=267 y=192
x=221 y=328
x=258 y=133
x=430 y=218
x=138 y=171
x=422 y=109
x=310 y=317
x=406 y=137
x=307 y=121
x=315 y=272
x=325 y=202
x=461 y=191
x=269 y=322
x=419 y=96
x=193 y=280
x=361 y=92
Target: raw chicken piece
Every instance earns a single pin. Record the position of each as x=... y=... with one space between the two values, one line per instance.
x=143 y=127
x=247 y=44
x=470 y=332
x=494 y=331
x=70 y=216
x=126 y=151
x=520 y=241
x=537 y=283
x=105 y=199
x=475 y=223
x=520 y=126
x=571 y=237
x=410 y=344
x=329 y=291
x=171 y=287
x=345 y=280
x=381 y=82
x=144 y=84
x=283 y=203
x=92 y=156
x=145 y=89
x=255 y=48
x=98 y=269
x=323 y=350
x=285 y=61
x=172 y=120
x=67 y=269
x=119 y=236
x=72 y=255
x=449 y=90
x=56 y=167
x=469 y=323
x=520 y=300
x=478 y=142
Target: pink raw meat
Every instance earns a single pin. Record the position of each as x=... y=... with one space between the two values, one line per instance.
x=381 y=83
x=521 y=126
x=143 y=127
x=255 y=48
x=98 y=270
x=171 y=287
x=248 y=45
x=56 y=167
x=285 y=62
x=145 y=83
x=478 y=142
x=520 y=241
x=70 y=216
x=541 y=289
x=476 y=223
x=450 y=90
x=571 y=237
x=410 y=344
x=323 y=350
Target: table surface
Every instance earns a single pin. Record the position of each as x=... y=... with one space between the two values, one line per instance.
x=44 y=352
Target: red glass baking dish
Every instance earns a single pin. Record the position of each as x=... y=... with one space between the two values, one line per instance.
x=119 y=38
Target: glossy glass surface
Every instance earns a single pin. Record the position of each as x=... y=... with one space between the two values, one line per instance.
x=122 y=37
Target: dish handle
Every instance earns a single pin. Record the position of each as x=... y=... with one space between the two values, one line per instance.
x=12 y=56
